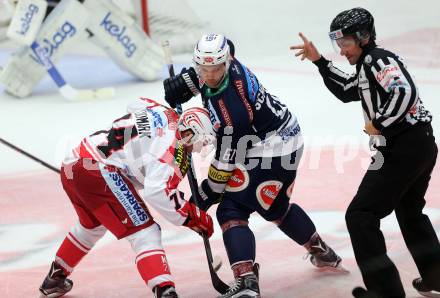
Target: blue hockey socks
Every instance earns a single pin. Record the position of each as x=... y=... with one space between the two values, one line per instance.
x=239 y=243
x=297 y=225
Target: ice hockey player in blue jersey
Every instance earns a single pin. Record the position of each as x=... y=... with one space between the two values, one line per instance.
x=259 y=145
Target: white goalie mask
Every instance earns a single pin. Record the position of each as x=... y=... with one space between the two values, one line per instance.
x=212 y=49
x=195 y=128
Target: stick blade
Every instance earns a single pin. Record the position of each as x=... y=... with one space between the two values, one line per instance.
x=87 y=94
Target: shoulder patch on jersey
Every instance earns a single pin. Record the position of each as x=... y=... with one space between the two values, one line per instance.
x=159 y=122
x=252 y=84
x=172 y=118
x=368 y=59
x=235 y=68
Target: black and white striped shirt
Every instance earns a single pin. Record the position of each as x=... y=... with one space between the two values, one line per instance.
x=389 y=96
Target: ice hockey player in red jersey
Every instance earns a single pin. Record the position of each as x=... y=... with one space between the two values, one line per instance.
x=115 y=175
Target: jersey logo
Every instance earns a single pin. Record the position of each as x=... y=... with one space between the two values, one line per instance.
x=391 y=71
x=124 y=195
x=157 y=119
x=368 y=59
x=225 y=112
x=240 y=88
x=218 y=176
x=239 y=179
x=215 y=121
x=181 y=159
x=235 y=69
x=267 y=192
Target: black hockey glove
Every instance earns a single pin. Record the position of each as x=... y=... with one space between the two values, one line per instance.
x=182 y=87
x=208 y=196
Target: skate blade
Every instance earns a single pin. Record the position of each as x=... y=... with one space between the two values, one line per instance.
x=430 y=294
x=53 y=295
x=338 y=269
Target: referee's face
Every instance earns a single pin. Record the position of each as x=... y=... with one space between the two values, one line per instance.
x=350 y=48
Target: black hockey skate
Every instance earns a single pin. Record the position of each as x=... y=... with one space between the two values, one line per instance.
x=244 y=287
x=56 y=283
x=323 y=256
x=423 y=289
x=359 y=292
x=165 y=292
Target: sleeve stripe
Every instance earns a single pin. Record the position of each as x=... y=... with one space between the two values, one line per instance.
x=402 y=97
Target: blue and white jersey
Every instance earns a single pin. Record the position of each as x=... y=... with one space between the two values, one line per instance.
x=249 y=122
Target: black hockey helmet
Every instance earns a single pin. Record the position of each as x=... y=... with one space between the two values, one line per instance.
x=356 y=21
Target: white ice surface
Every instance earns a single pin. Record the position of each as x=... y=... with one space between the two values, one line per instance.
x=45 y=124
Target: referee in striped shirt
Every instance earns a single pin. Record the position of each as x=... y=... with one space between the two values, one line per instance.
x=393 y=113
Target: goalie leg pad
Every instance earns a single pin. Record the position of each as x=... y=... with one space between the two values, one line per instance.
x=124 y=40
x=28 y=16
x=151 y=259
x=6 y=13
x=63 y=26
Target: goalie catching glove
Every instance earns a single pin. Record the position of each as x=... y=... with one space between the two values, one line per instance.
x=197 y=219
x=182 y=87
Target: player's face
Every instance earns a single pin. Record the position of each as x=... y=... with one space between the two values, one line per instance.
x=350 y=48
x=185 y=140
x=212 y=74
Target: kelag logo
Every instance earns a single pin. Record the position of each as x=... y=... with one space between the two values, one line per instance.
x=67 y=30
x=27 y=19
x=118 y=32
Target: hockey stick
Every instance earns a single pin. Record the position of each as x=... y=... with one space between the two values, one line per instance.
x=29 y=155
x=218 y=284
x=65 y=89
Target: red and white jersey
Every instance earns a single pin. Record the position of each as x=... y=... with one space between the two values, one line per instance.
x=143 y=145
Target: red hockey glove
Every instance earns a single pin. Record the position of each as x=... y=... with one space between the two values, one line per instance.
x=197 y=220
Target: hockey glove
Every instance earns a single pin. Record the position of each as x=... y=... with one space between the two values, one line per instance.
x=207 y=195
x=197 y=220
x=182 y=87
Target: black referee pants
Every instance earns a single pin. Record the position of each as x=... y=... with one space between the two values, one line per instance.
x=399 y=185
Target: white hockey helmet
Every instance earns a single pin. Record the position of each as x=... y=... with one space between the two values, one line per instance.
x=212 y=49
x=197 y=121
